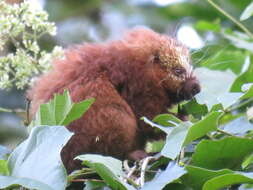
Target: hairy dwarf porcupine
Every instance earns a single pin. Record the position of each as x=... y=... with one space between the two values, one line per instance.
x=141 y=75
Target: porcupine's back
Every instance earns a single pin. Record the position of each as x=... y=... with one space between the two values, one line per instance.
x=85 y=61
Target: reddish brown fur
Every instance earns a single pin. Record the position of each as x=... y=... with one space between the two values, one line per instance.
x=127 y=85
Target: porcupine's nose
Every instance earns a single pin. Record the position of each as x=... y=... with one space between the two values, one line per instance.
x=195 y=88
x=191 y=88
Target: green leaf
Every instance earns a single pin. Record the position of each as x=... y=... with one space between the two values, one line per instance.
x=61 y=111
x=247 y=161
x=228 y=180
x=196 y=176
x=175 y=140
x=204 y=126
x=247 y=12
x=76 y=111
x=170 y=174
x=4 y=167
x=186 y=132
x=38 y=158
x=176 y=186
x=244 y=77
x=166 y=120
x=167 y=130
x=9 y=181
x=221 y=153
x=108 y=168
x=215 y=86
x=195 y=109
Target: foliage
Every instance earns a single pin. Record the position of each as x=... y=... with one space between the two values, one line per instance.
x=60 y=110
x=23 y=165
x=23 y=25
x=211 y=151
x=27 y=170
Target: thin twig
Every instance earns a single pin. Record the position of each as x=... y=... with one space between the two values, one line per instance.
x=131 y=171
x=240 y=25
x=143 y=169
x=28 y=103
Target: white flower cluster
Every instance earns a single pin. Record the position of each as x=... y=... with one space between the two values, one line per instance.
x=22 y=25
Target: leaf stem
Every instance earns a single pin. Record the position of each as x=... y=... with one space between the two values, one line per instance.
x=239 y=105
x=85 y=180
x=240 y=25
x=225 y=132
x=12 y=111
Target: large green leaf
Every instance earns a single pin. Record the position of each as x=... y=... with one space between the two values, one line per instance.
x=227 y=180
x=186 y=132
x=38 y=158
x=201 y=178
x=174 y=141
x=202 y=127
x=170 y=174
x=61 y=111
x=108 y=168
x=215 y=86
x=9 y=181
x=225 y=153
x=196 y=176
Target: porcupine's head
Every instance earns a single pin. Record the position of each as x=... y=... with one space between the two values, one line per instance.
x=170 y=62
x=176 y=75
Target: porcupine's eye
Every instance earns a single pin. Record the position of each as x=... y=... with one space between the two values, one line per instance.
x=156 y=58
x=179 y=71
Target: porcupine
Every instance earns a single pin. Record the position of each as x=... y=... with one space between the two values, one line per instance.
x=143 y=74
